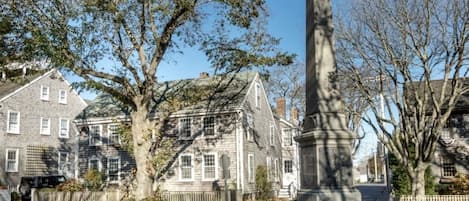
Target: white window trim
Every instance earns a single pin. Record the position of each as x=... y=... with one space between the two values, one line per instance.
x=214 y=126
x=192 y=167
x=9 y=130
x=17 y=153
x=64 y=100
x=68 y=128
x=42 y=132
x=272 y=133
x=44 y=97
x=100 y=135
x=250 y=122
x=109 y=134
x=277 y=170
x=180 y=128
x=290 y=136
x=285 y=169
x=215 y=155
x=118 y=170
x=251 y=174
x=67 y=158
x=257 y=94
x=95 y=159
x=268 y=168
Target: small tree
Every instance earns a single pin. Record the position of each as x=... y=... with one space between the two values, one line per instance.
x=93 y=180
x=263 y=186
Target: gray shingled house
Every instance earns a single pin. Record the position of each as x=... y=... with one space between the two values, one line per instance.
x=37 y=136
x=452 y=153
x=289 y=128
x=235 y=123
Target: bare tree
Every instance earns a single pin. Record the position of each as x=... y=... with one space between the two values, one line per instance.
x=136 y=36
x=288 y=82
x=417 y=53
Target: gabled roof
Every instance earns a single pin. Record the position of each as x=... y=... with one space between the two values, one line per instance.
x=213 y=94
x=9 y=86
x=462 y=104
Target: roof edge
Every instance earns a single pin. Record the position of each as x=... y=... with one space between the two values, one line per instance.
x=26 y=85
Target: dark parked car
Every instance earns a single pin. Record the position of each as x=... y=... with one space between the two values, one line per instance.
x=27 y=183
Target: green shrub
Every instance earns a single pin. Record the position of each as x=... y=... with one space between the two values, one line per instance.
x=460 y=185
x=15 y=196
x=263 y=186
x=71 y=185
x=93 y=180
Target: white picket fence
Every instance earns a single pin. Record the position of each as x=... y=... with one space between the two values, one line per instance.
x=116 y=195
x=434 y=198
x=77 y=196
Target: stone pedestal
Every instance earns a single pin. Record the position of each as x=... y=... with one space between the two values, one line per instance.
x=326 y=166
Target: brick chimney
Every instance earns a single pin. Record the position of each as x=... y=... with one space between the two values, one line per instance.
x=294 y=116
x=203 y=75
x=281 y=107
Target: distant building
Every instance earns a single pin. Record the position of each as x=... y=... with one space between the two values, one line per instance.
x=37 y=136
x=290 y=157
x=239 y=126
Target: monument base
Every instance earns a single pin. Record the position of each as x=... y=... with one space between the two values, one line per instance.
x=343 y=194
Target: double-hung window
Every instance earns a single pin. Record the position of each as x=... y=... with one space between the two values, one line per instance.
x=45 y=126
x=113 y=169
x=185 y=128
x=63 y=162
x=258 y=95
x=186 y=167
x=288 y=166
x=287 y=137
x=64 y=128
x=44 y=93
x=62 y=96
x=113 y=134
x=11 y=162
x=272 y=133
x=277 y=170
x=448 y=167
x=13 y=124
x=210 y=167
x=209 y=126
x=250 y=123
x=251 y=173
x=94 y=163
x=95 y=132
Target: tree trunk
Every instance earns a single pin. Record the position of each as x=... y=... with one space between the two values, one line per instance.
x=417 y=177
x=141 y=129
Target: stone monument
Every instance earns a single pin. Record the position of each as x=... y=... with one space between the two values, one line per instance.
x=326 y=142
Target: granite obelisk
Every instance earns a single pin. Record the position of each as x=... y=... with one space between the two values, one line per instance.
x=326 y=142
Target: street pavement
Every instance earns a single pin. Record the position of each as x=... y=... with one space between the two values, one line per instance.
x=373 y=192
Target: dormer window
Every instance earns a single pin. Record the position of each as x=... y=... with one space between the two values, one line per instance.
x=44 y=93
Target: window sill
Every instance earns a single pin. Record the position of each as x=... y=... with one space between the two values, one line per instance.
x=13 y=133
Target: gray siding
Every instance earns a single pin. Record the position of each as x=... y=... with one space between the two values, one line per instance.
x=27 y=101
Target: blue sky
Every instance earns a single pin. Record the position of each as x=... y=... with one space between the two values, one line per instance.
x=286 y=21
